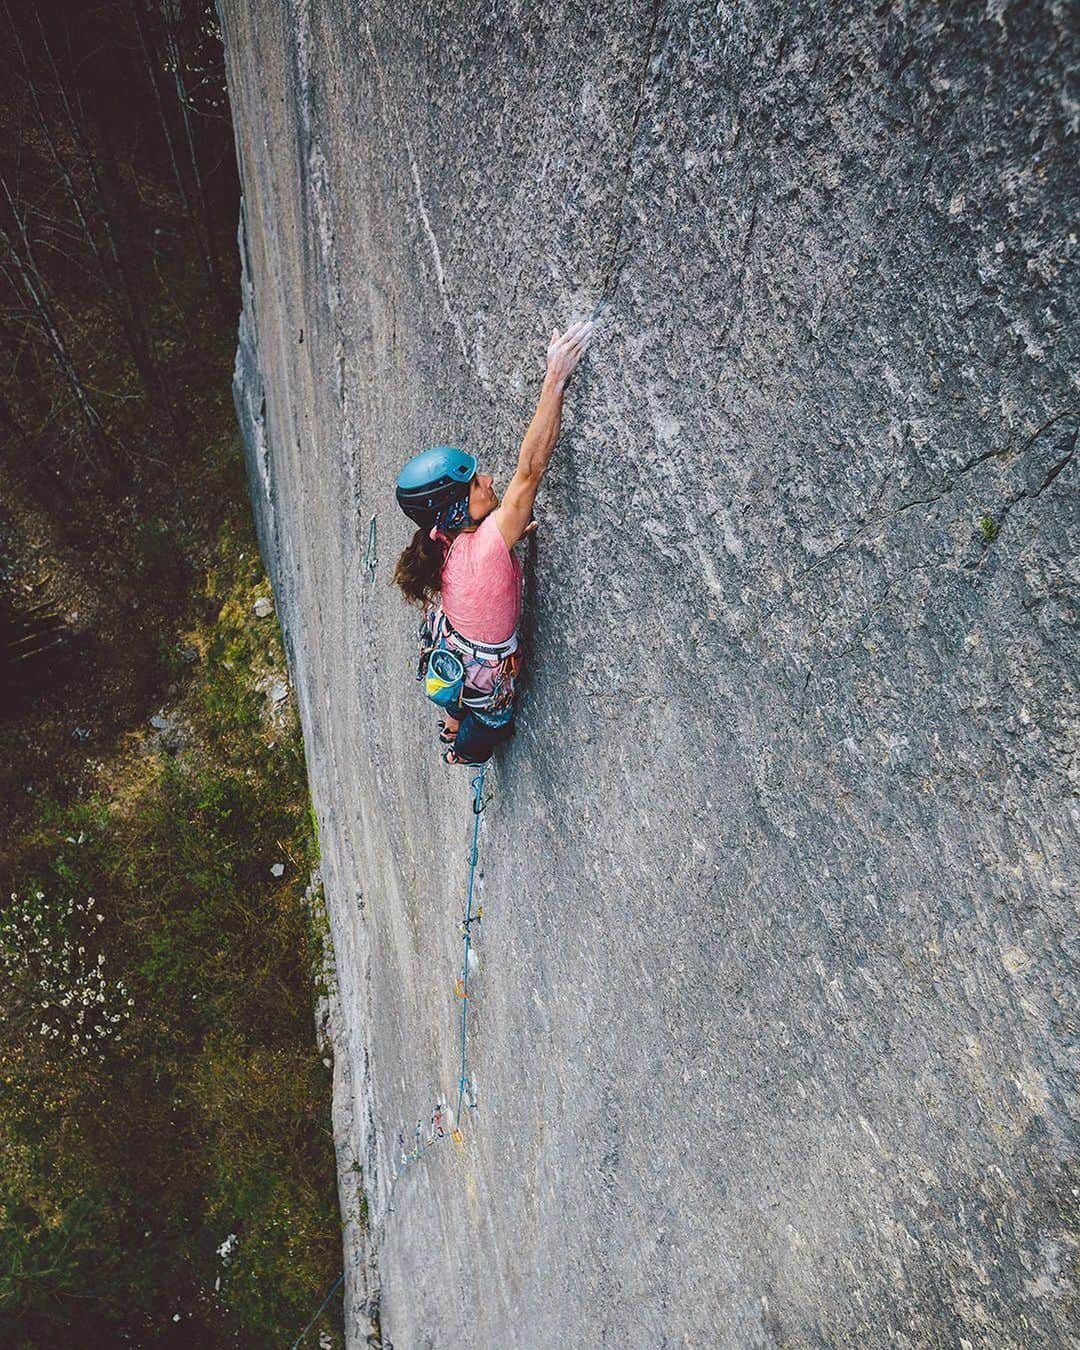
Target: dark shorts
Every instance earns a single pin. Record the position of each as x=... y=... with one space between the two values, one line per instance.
x=481 y=733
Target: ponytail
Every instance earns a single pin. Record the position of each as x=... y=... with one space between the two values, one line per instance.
x=419 y=569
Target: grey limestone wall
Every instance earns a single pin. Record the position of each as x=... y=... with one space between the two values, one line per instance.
x=772 y=1023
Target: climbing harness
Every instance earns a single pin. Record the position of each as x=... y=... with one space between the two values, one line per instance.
x=481 y=651
x=494 y=704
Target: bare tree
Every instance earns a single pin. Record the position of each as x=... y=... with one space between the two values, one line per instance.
x=146 y=42
x=172 y=40
x=19 y=249
x=111 y=259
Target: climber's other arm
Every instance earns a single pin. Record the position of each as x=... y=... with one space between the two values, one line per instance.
x=564 y=352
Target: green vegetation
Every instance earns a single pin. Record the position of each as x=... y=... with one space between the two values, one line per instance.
x=166 y=1159
x=161 y=1086
x=989 y=528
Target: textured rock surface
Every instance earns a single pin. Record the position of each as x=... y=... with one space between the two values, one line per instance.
x=772 y=1023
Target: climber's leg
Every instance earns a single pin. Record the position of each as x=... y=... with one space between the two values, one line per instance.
x=452 y=717
x=477 y=738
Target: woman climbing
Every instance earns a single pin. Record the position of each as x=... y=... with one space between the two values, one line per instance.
x=461 y=568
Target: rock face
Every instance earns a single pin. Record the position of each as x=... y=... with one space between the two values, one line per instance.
x=771 y=1023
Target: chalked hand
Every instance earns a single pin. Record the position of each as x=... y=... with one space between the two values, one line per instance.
x=565 y=350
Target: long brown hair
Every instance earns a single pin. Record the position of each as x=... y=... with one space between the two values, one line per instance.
x=419 y=569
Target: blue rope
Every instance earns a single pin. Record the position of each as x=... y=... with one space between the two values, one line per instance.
x=467 y=923
x=466 y=1092
x=318 y=1314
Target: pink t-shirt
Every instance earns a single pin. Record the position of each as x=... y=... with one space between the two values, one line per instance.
x=481 y=585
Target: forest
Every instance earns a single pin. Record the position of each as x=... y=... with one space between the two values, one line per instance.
x=166 y=1160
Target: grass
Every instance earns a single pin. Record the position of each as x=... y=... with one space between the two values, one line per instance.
x=162 y=1096
x=130 y=1155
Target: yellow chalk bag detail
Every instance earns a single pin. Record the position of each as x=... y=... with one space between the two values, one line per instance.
x=444 y=679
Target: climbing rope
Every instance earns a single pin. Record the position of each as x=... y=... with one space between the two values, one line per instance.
x=441 y=1117
x=466 y=928
x=443 y=1122
x=318 y=1313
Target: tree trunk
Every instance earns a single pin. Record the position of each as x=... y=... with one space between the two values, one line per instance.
x=147 y=44
x=34 y=284
x=110 y=260
x=143 y=343
x=176 y=57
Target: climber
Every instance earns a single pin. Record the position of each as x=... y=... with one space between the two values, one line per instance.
x=461 y=569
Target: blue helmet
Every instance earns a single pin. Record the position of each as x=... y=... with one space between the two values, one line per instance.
x=433 y=480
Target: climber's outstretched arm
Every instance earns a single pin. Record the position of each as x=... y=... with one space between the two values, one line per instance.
x=564 y=352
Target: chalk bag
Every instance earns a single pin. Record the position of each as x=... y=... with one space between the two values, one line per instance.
x=444 y=679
